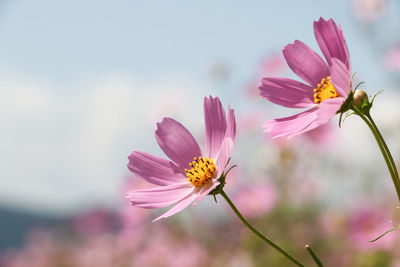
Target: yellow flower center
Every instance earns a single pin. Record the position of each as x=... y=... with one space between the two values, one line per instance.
x=325 y=91
x=202 y=171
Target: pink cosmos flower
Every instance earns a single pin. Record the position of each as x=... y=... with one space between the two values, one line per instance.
x=327 y=83
x=391 y=59
x=188 y=176
x=366 y=224
x=164 y=249
x=256 y=200
x=273 y=64
x=369 y=11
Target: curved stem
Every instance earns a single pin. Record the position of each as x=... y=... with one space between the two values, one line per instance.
x=385 y=152
x=245 y=222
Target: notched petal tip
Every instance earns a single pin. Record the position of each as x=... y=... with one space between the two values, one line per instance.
x=210 y=97
x=330 y=39
x=322 y=20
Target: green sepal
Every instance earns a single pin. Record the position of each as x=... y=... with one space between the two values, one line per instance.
x=373 y=98
x=219 y=188
x=348 y=114
x=347 y=104
x=365 y=107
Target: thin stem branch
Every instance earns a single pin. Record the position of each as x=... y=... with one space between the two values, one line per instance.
x=385 y=152
x=314 y=256
x=245 y=222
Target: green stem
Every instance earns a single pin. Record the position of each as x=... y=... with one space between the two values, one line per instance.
x=314 y=256
x=245 y=222
x=386 y=148
x=385 y=152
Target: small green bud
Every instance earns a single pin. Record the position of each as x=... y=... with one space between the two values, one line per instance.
x=360 y=99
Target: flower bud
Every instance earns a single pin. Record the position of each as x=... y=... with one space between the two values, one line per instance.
x=359 y=97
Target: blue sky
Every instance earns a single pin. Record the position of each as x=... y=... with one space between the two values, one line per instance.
x=65 y=41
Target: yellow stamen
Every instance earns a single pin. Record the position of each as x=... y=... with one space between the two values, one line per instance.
x=202 y=171
x=325 y=91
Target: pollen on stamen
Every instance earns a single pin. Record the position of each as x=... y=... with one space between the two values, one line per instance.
x=324 y=91
x=202 y=171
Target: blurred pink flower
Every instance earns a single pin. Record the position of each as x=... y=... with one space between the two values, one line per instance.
x=39 y=251
x=272 y=65
x=250 y=122
x=322 y=135
x=367 y=224
x=308 y=188
x=328 y=84
x=256 y=200
x=99 y=251
x=333 y=222
x=93 y=222
x=132 y=217
x=391 y=59
x=369 y=10
x=174 y=182
x=167 y=251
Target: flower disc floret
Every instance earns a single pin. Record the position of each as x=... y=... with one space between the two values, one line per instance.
x=202 y=171
x=324 y=91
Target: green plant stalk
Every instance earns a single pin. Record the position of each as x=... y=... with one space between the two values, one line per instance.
x=386 y=148
x=245 y=222
x=314 y=256
x=385 y=152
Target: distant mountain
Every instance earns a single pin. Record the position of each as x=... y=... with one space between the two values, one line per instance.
x=14 y=225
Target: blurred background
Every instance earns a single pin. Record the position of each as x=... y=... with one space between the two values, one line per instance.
x=83 y=83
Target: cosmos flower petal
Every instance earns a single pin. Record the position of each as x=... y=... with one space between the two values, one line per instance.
x=328 y=109
x=155 y=170
x=340 y=77
x=343 y=40
x=223 y=155
x=205 y=190
x=231 y=125
x=183 y=203
x=331 y=41
x=159 y=196
x=215 y=123
x=177 y=142
x=287 y=92
x=292 y=125
x=307 y=64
